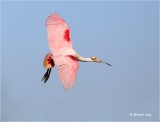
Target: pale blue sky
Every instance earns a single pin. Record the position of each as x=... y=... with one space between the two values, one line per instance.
x=123 y=33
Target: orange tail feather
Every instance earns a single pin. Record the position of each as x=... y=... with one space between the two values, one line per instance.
x=48 y=61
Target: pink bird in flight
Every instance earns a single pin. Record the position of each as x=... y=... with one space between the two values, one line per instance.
x=63 y=55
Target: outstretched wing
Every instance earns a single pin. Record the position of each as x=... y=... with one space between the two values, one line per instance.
x=58 y=32
x=67 y=70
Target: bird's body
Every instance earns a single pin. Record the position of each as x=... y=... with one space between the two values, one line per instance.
x=62 y=54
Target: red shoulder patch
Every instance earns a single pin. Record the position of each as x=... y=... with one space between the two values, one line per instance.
x=66 y=35
x=72 y=57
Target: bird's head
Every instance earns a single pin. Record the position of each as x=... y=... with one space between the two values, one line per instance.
x=95 y=59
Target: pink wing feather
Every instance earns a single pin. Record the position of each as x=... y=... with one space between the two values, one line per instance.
x=58 y=32
x=67 y=70
x=59 y=41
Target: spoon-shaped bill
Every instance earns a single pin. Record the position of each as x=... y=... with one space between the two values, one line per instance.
x=106 y=63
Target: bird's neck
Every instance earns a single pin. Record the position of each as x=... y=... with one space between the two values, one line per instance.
x=80 y=58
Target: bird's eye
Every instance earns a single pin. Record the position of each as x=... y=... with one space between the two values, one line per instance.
x=93 y=57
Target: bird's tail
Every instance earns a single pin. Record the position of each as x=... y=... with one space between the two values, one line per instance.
x=48 y=63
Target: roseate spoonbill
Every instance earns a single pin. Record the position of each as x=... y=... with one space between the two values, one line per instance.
x=63 y=55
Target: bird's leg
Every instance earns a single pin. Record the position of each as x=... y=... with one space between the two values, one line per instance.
x=46 y=75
